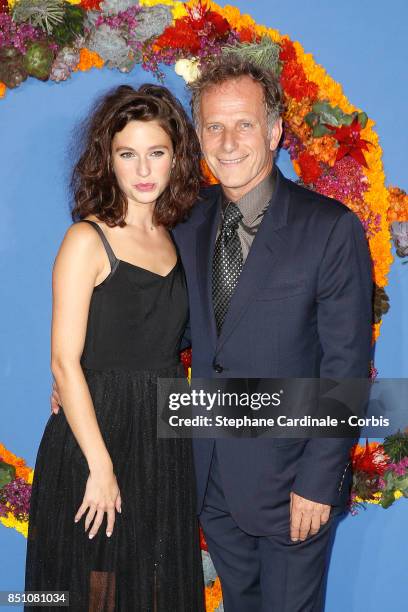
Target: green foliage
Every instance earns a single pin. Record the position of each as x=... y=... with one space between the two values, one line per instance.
x=265 y=53
x=45 y=14
x=323 y=114
x=381 y=304
x=71 y=27
x=7 y=473
x=393 y=482
x=38 y=60
x=12 y=71
x=396 y=446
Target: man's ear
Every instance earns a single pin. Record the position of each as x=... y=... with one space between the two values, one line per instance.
x=276 y=134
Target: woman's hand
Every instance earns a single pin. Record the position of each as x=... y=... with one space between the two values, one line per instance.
x=101 y=495
x=55 y=400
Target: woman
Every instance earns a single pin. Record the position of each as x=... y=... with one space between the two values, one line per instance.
x=112 y=516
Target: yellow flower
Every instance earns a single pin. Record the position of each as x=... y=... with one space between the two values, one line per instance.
x=11 y=522
x=234 y=17
x=188 y=69
x=274 y=35
x=154 y=2
x=376 y=331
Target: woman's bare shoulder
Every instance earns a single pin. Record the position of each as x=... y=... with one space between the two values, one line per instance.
x=81 y=240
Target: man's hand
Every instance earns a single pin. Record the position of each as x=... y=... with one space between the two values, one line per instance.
x=306 y=517
x=55 y=399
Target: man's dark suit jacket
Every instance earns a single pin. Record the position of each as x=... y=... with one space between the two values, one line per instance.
x=302 y=308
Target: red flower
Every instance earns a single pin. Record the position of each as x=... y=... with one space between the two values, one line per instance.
x=180 y=36
x=287 y=52
x=350 y=142
x=310 y=168
x=203 y=543
x=247 y=35
x=293 y=77
x=200 y=16
x=221 y=27
x=370 y=459
x=90 y=5
x=185 y=357
x=187 y=32
x=295 y=83
x=4 y=7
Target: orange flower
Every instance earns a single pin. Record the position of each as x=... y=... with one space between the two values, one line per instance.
x=324 y=149
x=88 y=59
x=398 y=210
x=208 y=175
x=3 y=89
x=213 y=596
x=294 y=117
x=22 y=470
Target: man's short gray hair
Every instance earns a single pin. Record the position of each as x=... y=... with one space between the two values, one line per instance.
x=228 y=67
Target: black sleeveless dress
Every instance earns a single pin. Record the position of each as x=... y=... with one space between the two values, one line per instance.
x=152 y=561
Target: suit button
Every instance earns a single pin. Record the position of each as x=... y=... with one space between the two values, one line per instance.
x=218 y=368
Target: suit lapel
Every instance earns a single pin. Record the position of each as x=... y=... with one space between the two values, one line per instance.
x=206 y=235
x=262 y=257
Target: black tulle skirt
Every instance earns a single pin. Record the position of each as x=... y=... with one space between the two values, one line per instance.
x=152 y=562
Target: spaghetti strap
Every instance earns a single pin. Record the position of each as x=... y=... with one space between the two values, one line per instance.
x=111 y=255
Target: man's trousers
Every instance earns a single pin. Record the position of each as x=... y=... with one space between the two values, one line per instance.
x=266 y=573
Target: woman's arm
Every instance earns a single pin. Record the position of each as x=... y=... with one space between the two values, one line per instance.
x=78 y=265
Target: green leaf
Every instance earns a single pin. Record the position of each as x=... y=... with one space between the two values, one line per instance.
x=320 y=130
x=311 y=119
x=387 y=500
x=7 y=473
x=348 y=119
x=328 y=114
x=362 y=119
x=402 y=483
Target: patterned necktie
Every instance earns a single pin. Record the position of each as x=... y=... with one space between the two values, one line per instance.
x=227 y=263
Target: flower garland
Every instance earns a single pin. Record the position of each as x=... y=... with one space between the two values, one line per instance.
x=15 y=489
x=380 y=476
x=380 y=472
x=332 y=144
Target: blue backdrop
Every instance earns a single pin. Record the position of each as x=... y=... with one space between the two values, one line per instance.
x=362 y=46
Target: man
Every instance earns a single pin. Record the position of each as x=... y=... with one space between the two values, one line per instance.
x=279 y=283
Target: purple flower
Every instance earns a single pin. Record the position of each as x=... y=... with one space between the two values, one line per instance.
x=345 y=181
x=381 y=483
x=292 y=144
x=125 y=20
x=16 y=495
x=17 y=35
x=372 y=224
x=400 y=468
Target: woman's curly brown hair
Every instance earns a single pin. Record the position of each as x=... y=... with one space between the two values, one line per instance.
x=93 y=182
